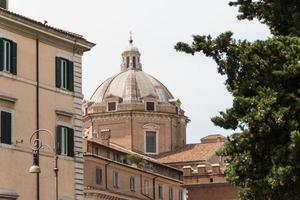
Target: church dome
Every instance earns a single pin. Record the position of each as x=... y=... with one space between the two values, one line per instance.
x=132 y=84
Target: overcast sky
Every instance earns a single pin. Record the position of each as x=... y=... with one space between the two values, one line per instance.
x=157 y=25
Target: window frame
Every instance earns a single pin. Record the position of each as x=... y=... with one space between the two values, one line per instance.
x=156 y=141
x=116 y=106
x=171 y=193
x=64 y=70
x=116 y=180
x=146 y=185
x=160 y=191
x=8 y=55
x=181 y=195
x=59 y=144
x=154 y=106
x=132 y=184
x=99 y=176
x=12 y=123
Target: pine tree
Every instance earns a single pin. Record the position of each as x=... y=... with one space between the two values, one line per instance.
x=264 y=79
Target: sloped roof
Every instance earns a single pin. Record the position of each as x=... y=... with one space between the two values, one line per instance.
x=192 y=153
x=43 y=26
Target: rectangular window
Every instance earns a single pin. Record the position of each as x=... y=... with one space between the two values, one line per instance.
x=132 y=184
x=116 y=180
x=64 y=74
x=150 y=106
x=8 y=56
x=150 y=142
x=180 y=195
x=111 y=106
x=160 y=192
x=65 y=141
x=171 y=195
x=146 y=187
x=98 y=176
x=5 y=124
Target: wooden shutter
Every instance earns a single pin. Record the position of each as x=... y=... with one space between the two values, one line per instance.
x=13 y=68
x=58 y=71
x=70 y=142
x=1 y=54
x=70 y=84
x=58 y=139
x=5 y=127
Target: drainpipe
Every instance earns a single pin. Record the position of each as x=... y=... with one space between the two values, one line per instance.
x=37 y=114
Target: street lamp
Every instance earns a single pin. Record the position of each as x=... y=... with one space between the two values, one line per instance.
x=37 y=144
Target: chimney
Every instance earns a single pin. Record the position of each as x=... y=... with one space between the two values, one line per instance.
x=187 y=171
x=216 y=169
x=4 y=4
x=105 y=136
x=201 y=169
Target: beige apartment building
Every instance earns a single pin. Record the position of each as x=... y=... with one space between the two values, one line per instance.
x=40 y=88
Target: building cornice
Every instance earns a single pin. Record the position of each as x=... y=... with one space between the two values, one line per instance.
x=42 y=31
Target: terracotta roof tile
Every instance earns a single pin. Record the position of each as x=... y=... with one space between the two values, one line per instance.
x=192 y=152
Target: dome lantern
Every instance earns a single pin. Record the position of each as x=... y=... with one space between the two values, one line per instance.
x=131 y=57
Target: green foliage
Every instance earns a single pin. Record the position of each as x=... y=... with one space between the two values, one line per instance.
x=135 y=159
x=282 y=16
x=264 y=79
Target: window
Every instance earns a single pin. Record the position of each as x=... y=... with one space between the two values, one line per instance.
x=8 y=56
x=146 y=187
x=171 y=196
x=150 y=142
x=150 y=106
x=64 y=74
x=3 y=4
x=160 y=192
x=133 y=62
x=132 y=184
x=98 y=176
x=127 y=61
x=65 y=141
x=176 y=110
x=111 y=106
x=116 y=180
x=96 y=150
x=180 y=195
x=5 y=123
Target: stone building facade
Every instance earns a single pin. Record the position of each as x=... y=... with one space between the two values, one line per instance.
x=40 y=88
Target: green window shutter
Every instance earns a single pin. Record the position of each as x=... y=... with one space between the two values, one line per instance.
x=58 y=139
x=70 y=142
x=58 y=71
x=70 y=85
x=5 y=127
x=13 y=68
x=1 y=54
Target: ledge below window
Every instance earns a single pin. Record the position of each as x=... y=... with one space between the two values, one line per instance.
x=7 y=97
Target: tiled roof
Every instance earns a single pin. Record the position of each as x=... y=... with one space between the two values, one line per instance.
x=191 y=153
x=42 y=25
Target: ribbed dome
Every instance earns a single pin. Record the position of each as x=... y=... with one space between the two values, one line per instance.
x=132 y=85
